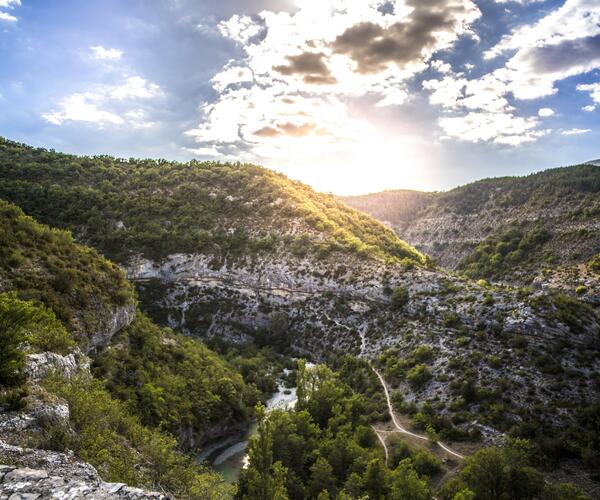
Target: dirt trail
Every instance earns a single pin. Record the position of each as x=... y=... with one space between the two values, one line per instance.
x=399 y=426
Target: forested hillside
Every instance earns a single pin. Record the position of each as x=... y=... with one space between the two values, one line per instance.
x=508 y=229
x=157 y=208
x=58 y=300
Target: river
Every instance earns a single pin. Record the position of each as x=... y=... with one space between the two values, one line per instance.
x=232 y=457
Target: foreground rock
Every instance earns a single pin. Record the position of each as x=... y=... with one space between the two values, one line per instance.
x=44 y=474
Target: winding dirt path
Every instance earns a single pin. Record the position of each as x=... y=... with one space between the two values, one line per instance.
x=385 y=448
x=399 y=426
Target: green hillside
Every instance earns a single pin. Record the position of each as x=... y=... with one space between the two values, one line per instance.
x=156 y=208
x=150 y=385
x=47 y=266
x=541 y=189
x=507 y=228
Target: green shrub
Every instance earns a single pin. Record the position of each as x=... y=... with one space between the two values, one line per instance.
x=400 y=297
x=46 y=266
x=418 y=376
x=426 y=463
x=24 y=324
x=594 y=264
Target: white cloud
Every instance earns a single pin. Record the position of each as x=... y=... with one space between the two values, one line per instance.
x=545 y=112
x=441 y=66
x=137 y=118
x=82 y=108
x=134 y=87
x=576 y=131
x=8 y=4
x=589 y=108
x=563 y=43
x=447 y=91
x=593 y=89
x=294 y=93
x=573 y=20
x=107 y=105
x=501 y=128
x=4 y=16
x=103 y=54
x=232 y=75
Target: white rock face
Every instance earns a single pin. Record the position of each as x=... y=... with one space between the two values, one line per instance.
x=113 y=323
x=40 y=365
x=51 y=475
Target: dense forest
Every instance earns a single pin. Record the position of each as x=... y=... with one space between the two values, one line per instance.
x=156 y=208
x=327 y=448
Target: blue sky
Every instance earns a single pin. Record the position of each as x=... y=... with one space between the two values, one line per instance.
x=347 y=96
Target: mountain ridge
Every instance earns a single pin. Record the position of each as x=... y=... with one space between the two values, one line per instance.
x=459 y=228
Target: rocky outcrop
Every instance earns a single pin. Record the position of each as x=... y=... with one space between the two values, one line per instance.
x=41 y=474
x=111 y=323
x=40 y=365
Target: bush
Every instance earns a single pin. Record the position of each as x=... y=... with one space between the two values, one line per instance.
x=426 y=463
x=173 y=382
x=594 y=264
x=22 y=324
x=400 y=297
x=418 y=376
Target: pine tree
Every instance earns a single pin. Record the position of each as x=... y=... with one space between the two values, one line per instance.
x=301 y=385
x=263 y=479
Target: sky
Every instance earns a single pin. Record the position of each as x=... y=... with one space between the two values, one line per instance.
x=347 y=96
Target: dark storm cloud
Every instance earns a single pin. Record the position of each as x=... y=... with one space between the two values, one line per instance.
x=563 y=56
x=310 y=65
x=372 y=47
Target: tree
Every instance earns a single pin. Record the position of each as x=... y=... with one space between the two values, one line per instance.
x=375 y=480
x=465 y=494
x=278 y=327
x=418 y=376
x=563 y=491
x=400 y=297
x=263 y=480
x=353 y=485
x=278 y=323
x=23 y=321
x=12 y=357
x=498 y=473
x=406 y=484
x=278 y=482
x=432 y=435
x=485 y=473
x=34 y=323
x=321 y=477
x=426 y=463
x=301 y=385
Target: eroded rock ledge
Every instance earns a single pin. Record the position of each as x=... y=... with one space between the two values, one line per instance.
x=41 y=474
